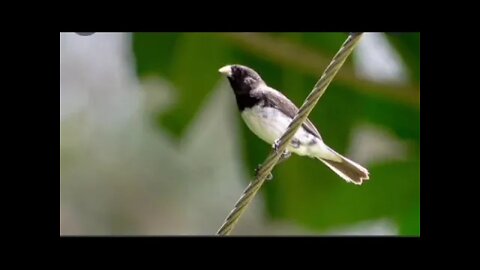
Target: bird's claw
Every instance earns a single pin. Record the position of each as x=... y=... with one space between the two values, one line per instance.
x=276 y=145
x=285 y=153
x=269 y=176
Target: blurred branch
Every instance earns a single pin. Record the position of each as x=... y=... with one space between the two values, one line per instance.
x=309 y=61
x=297 y=121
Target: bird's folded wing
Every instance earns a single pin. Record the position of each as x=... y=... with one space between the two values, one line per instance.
x=276 y=99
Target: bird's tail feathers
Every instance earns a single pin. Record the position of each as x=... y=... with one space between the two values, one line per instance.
x=349 y=170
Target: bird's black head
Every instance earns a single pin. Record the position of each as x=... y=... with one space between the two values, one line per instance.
x=242 y=79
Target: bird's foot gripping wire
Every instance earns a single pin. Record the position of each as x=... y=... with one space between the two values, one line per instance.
x=285 y=155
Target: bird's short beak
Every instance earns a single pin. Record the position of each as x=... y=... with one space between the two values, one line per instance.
x=226 y=70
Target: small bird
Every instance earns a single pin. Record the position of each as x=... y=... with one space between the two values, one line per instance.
x=267 y=113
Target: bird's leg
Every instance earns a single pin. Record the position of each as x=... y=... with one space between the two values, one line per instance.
x=276 y=145
x=285 y=155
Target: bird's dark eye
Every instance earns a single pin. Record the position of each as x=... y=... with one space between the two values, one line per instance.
x=237 y=71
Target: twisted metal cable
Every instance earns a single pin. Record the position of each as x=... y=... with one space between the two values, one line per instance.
x=297 y=121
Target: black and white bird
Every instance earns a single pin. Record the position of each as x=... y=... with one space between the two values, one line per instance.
x=267 y=113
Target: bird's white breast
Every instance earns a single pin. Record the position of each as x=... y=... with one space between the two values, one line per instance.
x=269 y=124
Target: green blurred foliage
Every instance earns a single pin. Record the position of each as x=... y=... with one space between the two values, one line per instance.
x=183 y=60
x=303 y=189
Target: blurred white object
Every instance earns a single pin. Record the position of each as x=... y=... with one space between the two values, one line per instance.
x=122 y=175
x=375 y=59
x=97 y=78
x=374 y=227
x=371 y=144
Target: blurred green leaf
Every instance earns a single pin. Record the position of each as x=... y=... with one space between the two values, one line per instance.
x=327 y=43
x=409 y=221
x=402 y=120
x=318 y=199
x=153 y=52
x=198 y=56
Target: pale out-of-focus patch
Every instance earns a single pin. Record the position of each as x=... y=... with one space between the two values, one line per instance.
x=371 y=144
x=374 y=227
x=97 y=78
x=160 y=94
x=375 y=59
